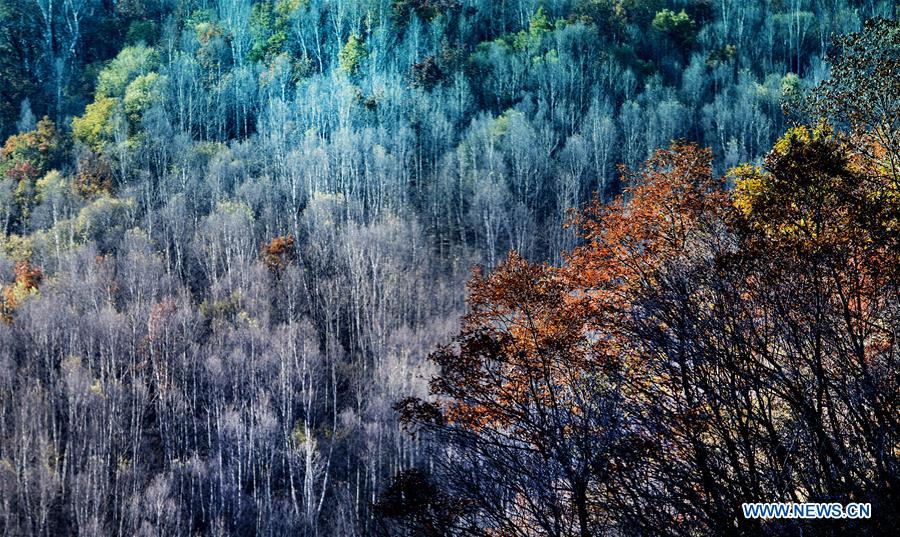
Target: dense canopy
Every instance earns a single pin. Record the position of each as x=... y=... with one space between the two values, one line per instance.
x=235 y=236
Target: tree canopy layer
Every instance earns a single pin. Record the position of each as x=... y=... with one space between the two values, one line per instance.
x=233 y=231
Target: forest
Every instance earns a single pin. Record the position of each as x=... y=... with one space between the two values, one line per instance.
x=448 y=268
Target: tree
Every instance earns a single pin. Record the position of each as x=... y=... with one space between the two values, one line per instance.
x=141 y=94
x=402 y=10
x=37 y=149
x=528 y=400
x=678 y=26
x=24 y=159
x=28 y=278
x=352 y=55
x=414 y=505
x=426 y=74
x=278 y=253
x=742 y=328
x=96 y=127
x=129 y=64
x=27 y=120
x=698 y=350
x=861 y=93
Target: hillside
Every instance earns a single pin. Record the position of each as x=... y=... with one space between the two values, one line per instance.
x=236 y=235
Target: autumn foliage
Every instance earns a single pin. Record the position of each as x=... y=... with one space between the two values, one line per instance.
x=94 y=177
x=278 y=253
x=29 y=155
x=28 y=278
x=702 y=347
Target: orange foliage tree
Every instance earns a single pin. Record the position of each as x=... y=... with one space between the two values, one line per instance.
x=278 y=252
x=701 y=348
x=521 y=394
x=534 y=387
x=28 y=278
